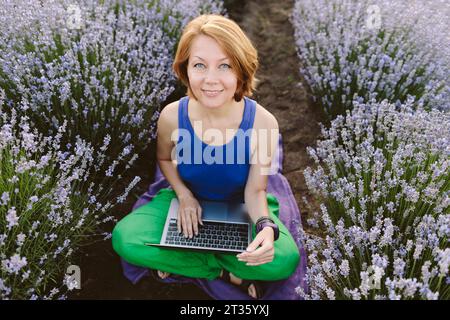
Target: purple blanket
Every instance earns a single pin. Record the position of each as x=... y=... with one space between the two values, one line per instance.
x=288 y=213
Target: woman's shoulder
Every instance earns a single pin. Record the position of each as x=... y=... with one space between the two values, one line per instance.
x=264 y=119
x=169 y=115
x=168 y=118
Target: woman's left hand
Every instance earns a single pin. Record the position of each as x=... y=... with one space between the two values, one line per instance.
x=255 y=256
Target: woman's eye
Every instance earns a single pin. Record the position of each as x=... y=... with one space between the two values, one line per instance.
x=197 y=64
x=201 y=65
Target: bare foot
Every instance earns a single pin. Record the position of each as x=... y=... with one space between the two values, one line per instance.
x=163 y=274
x=237 y=281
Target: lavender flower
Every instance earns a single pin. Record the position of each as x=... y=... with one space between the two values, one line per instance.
x=112 y=73
x=55 y=214
x=14 y=264
x=75 y=102
x=345 y=58
x=12 y=218
x=394 y=245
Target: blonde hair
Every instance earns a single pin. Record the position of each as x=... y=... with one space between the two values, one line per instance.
x=231 y=38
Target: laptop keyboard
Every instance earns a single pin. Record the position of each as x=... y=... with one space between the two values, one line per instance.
x=212 y=235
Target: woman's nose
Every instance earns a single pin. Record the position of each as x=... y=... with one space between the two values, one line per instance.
x=211 y=76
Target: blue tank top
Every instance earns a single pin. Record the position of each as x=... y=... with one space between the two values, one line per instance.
x=214 y=173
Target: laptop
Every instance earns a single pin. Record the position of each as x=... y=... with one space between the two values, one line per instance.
x=226 y=228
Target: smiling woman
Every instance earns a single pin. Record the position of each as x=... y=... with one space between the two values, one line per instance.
x=217 y=63
x=214 y=47
x=211 y=80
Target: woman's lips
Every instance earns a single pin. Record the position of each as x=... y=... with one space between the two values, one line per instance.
x=212 y=93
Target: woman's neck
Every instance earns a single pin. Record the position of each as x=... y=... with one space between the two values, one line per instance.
x=220 y=114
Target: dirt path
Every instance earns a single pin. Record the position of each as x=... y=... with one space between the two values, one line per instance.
x=266 y=23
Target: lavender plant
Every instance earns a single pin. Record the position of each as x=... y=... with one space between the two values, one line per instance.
x=90 y=77
x=104 y=66
x=44 y=217
x=383 y=180
x=354 y=50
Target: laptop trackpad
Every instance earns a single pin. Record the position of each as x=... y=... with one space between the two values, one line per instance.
x=222 y=211
x=214 y=210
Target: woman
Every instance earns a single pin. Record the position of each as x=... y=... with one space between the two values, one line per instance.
x=217 y=63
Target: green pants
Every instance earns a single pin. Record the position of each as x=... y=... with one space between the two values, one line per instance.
x=146 y=223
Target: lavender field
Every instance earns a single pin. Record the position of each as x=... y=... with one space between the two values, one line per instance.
x=361 y=92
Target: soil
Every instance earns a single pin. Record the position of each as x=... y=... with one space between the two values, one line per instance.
x=281 y=91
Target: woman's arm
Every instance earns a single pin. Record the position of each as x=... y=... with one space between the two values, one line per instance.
x=189 y=210
x=167 y=124
x=262 y=157
x=261 y=250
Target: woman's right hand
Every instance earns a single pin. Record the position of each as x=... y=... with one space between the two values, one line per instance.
x=189 y=215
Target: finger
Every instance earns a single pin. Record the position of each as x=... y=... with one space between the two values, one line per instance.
x=250 y=258
x=199 y=213
x=255 y=260
x=184 y=224
x=258 y=253
x=179 y=222
x=189 y=223
x=266 y=255
x=262 y=255
x=259 y=262
x=269 y=255
x=252 y=254
x=255 y=244
x=194 y=222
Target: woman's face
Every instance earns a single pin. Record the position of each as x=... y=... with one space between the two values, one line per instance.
x=210 y=75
